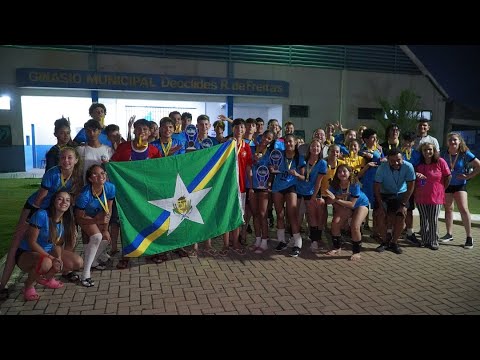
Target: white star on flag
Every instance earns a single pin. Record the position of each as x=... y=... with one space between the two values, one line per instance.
x=171 y=204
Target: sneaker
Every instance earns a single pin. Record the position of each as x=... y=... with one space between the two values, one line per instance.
x=382 y=247
x=395 y=248
x=433 y=247
x=413 y=239
x=295 y=251
x=281 y=246
x=468 y=243
x=314 y=247
x=291 y=242
x=446 y=238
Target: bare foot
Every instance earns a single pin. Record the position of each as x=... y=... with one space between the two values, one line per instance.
x=333 y=252
x=355 y=257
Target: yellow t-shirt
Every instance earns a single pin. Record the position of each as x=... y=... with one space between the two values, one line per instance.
x=356 y=163
x=327 y=178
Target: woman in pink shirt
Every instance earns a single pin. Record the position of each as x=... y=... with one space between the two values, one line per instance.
x=433 y=177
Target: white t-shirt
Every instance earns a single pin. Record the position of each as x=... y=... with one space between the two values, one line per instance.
x=91 y=156
x=430 y=139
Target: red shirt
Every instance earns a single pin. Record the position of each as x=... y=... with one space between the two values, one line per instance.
x=124 y=152
x=244 y=160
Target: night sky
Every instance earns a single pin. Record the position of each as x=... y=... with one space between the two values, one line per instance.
x=456 y=68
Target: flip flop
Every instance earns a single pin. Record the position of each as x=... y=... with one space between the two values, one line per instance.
x=211 y=251
x=30 y=294
x=51 y=283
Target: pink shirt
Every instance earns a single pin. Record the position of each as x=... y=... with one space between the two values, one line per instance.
x=431 y=191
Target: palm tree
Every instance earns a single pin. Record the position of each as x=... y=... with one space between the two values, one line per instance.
x=405 y=111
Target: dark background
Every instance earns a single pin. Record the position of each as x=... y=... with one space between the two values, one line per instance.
x=456 y=68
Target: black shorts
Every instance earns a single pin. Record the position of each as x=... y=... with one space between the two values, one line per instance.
x=114 y=218
x=18 y=253
x=32 y=209
x=411 y=204
x=392 y=202
x=260 y=191
x=288 y=190
x=306 y=197
x=454 y=188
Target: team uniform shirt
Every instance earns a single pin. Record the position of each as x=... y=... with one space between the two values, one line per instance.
x=51 y=181
x=307 y=186
x=82 y=138
x=424 y=139
x=126 y=152
x=458 y=166
x=90 y=203
x=244 y=154
x=355 y=162
x=327 y=179
x=40 y=220
x=368 y=179
x=91 y=156
x=412 y=156
x=252 y=150
x=279 y=144
x=394 y=181
x=175 y=142
x=198 y=142
x=181 y=136
x=353 y=191
x=431 y=191
x=284 y=179
x=343 y=149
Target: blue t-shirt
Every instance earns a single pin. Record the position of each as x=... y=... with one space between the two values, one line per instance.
x=354 y=191
x=40 y=220
x=82 y=137
x=199 y=146
x=394 y=181
x=307 y=187
x=175 y=142
x=459 y=168
x=415 y=157
x=284 y=179
x=88 y=202
x=182 y=137
x=51 y=181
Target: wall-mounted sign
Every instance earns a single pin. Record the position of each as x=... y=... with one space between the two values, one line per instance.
x=54 y=78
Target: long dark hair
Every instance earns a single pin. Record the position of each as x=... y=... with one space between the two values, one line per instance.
x=336 y=181
x=69 y=226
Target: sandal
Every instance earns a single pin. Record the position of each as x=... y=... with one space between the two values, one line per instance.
x=223 y=252
x=181 y=252
x=210 y=251
x=193 y=253
x=71 y=277
x=30 y=294
x=88 y=282
x=239 y=251
x=122 y=264
x=51 y=283
x=158 y=258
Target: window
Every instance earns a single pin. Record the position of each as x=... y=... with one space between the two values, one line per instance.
x=4 y=102
x=299 y=111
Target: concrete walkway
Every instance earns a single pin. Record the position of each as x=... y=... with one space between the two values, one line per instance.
x=419 y=281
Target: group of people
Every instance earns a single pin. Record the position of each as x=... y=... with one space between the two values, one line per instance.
x=350 y=171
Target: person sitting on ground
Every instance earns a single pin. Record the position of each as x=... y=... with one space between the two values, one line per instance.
x=41 y=253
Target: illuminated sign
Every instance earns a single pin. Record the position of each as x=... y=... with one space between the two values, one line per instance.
x=73 y=79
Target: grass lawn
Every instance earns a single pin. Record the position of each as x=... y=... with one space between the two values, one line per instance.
x=14 y=193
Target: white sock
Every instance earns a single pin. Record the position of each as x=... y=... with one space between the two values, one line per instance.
x=258 y=241
x=281 y=235
x=89 y=254
x=101 y=256
x=264 y=244
x=409 y=232
x=298 y=240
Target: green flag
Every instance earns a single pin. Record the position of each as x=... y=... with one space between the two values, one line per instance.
x=176 y=201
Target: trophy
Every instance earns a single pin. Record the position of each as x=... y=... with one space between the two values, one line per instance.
x=262 y=176
x=275 y=160
x=206 y=143
x=191 y=132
